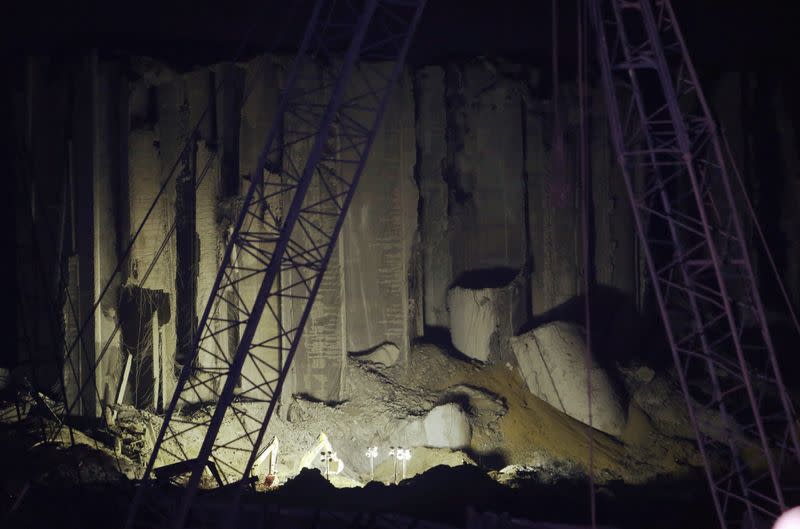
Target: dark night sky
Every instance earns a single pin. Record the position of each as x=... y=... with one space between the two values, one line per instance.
x=730 y=34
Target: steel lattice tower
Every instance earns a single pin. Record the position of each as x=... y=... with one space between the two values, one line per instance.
x=686 y=209
x=283 y=240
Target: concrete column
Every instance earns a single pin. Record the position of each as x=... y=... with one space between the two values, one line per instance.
x=228 y=79
x=432 y=148
x=110 y=130
x=381 y=226
x=41 y=115
x=83 y=160
x=95 y=172
x=261 y=90
x=554 y=217
x=173 y=135
x=199 y=235
x=487 y=206
x=318 y=366
x=615 y=265
x=153 y=147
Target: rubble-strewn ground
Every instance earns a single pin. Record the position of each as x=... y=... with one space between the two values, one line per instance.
x=510 y=426
x=516 y=440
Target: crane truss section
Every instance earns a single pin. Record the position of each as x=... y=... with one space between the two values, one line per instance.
x=685 y=207
x=289 y=220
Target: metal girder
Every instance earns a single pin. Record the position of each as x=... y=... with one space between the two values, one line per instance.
x=686 y=213
x=281 y=244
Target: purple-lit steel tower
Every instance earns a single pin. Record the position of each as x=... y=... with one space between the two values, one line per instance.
x=286 y=231
x=686 y=207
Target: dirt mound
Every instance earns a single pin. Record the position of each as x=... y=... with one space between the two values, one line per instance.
x=446 y=494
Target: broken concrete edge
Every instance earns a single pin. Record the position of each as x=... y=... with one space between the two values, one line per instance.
x=386 y=354
x=484 y=316
x=552 y=361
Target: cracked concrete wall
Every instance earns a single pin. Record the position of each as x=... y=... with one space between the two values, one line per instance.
x=485 y=169
x=460 y=180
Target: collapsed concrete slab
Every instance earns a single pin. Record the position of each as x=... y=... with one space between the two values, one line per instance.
x=552 y=361
x=483 y=319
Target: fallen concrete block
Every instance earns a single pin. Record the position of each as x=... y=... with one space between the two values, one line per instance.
x=447 y=426
x=473 y=321
x=553 y=363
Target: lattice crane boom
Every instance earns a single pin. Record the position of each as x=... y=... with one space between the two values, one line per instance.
x=687 y=219
x=282 y=242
